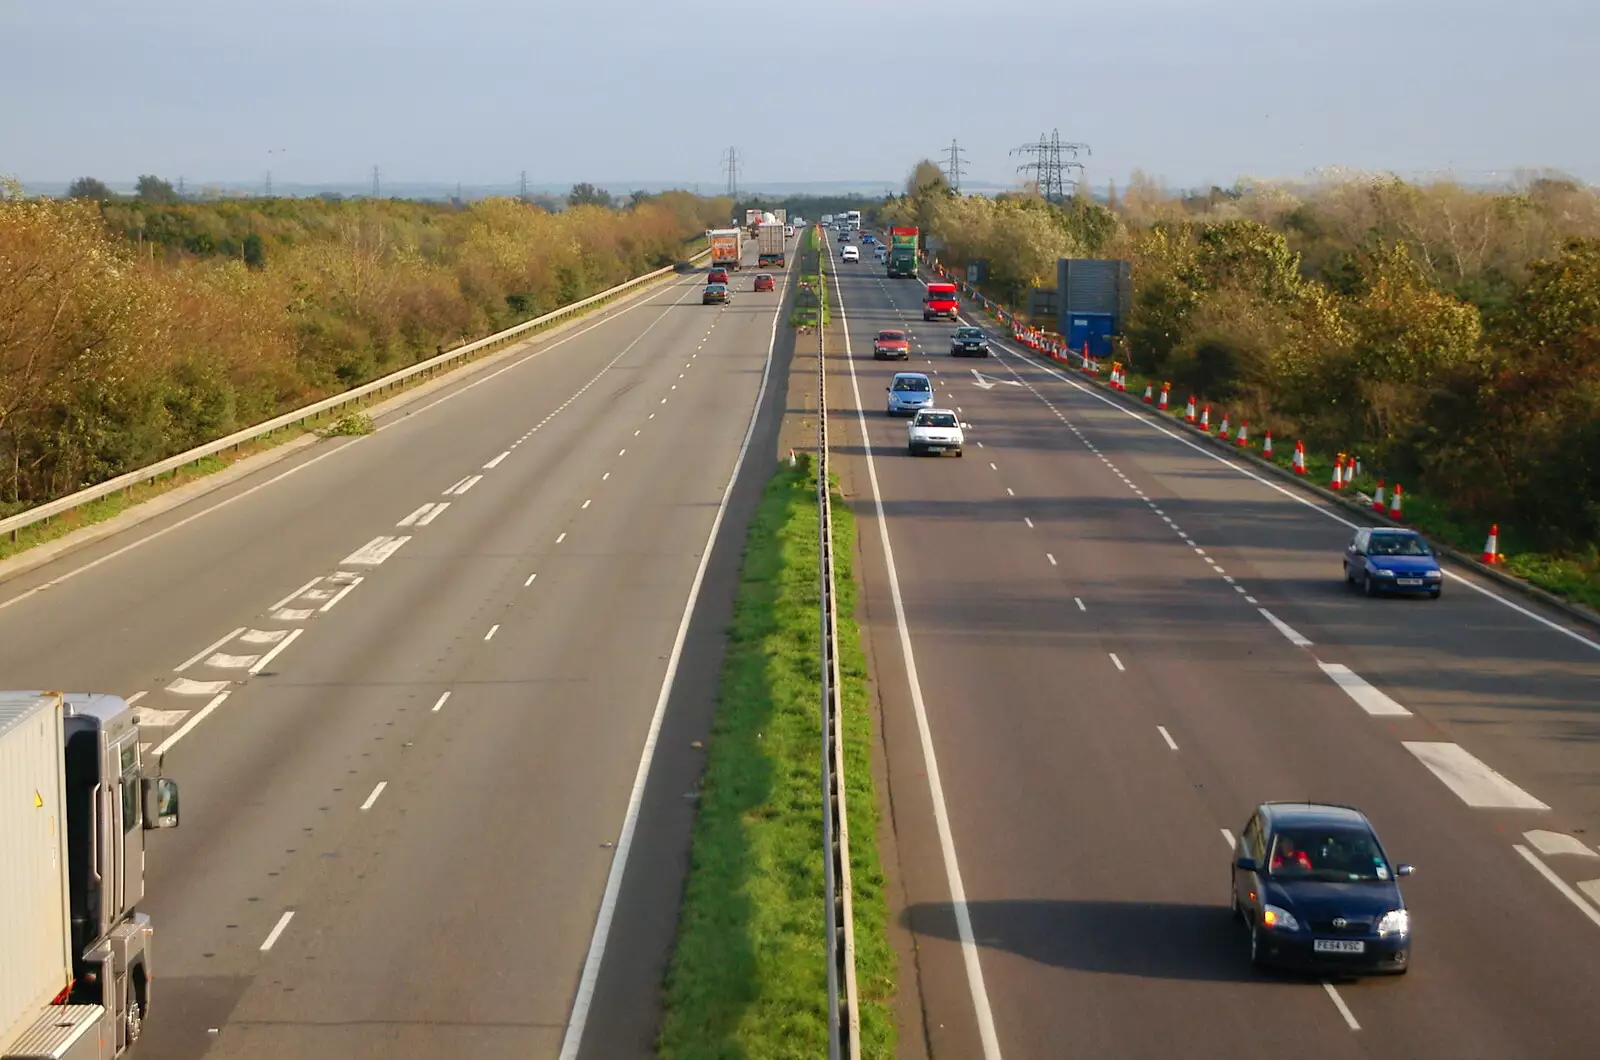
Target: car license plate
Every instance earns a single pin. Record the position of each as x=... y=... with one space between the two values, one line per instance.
x=1339 y=946
x=1408 y=581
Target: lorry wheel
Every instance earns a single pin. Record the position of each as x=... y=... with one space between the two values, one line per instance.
x=133 y=1021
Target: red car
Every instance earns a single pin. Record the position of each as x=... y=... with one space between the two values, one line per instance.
x=765 y=282
x=891 y=345
x=717 y=276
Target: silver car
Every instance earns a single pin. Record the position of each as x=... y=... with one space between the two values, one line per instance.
x=909 y=392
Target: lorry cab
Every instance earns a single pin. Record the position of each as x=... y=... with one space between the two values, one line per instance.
x=940 y=301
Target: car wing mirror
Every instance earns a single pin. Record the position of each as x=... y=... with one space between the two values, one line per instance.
x=1244 y=863
x=160 y=798
x=1404 y=870
x=966 y=426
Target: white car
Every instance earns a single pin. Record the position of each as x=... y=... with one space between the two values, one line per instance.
x=936 y=431
x=850 y=253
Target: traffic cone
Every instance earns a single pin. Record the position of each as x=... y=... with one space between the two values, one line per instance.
x=1161 y=403
x=1299 y=458
x=1266 y=447
x=1205 y=419
x=1224 y=431
x=1149 y=393
x=1338 y=474
x=1188 y=412
x=1377 y=497
x=1349 y=472
x=1491 y=547
x=1394 y=503
x=1244 y=434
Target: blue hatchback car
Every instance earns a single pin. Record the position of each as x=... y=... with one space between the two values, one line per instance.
x=909 y=393
x=1389 y=560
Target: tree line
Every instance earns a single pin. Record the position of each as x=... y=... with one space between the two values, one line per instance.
x=1450 y=335
x=135 y=328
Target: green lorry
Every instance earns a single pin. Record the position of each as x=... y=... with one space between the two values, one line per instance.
x=902 y=259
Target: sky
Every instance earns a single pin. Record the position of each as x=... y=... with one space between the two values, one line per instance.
x=620 y=91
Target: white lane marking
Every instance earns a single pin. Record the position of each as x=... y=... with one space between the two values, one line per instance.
x=1338 y=1003
x=664 y=400
x=277 y=930
x=530 y=579
x=293 y=614
x=435 y=511
x=992 y=467
x=375 y=793
x=1028 y=521
x=1167 y=736
x=200 y=715
x=605 y=476
x=491 y=465
x=1232 y=842
x=1051 y=557
x=263 y=636
x=492 y=631
x=1473 y=781
x=1079 y=603
x=1236 y=588
x=1010 y=492
x=623 y=452
x=340 y=595
x=1590 y=888
x=1117 y=662
x=440 y=702
x=1366 y=696
x=941 y=815
x=465 y=484
x=1251 y=600
x=182 y=686
x=292 y=597
x=411 y=519
x=562 y=537
x=375 y=551
x=1555 y=844
x=1287 y=630
x=1558 y=883
x=584 y=998
x=1200 y=551
x=277 y=649
x=131 y=700
x=166 y=719
x=203 y=652
x=587 y=502
x=455 y=487
x=231 y=662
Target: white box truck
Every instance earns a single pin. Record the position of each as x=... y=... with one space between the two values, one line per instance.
x=769 y=246
x=74 y=806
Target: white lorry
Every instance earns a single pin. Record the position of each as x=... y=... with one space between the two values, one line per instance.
x=74 y=806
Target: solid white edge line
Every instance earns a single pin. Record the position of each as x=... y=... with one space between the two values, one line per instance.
x=1167 y=736
x=590 y=976
x=941 y=815
x=1558 y=883
x=1295 y=637
x=1233 y=843
x=194 y=719
x=297 y=594
x=277 y=930
x=340 y=595
x=131 y=700
x=1338 y=1003
x=375 y=793
x=277 y=649
x=203 y=652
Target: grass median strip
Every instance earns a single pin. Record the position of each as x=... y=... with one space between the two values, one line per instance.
x=749 y=975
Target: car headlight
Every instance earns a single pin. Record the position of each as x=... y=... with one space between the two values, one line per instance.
x=1277 y=919
x=1395 y=922
x=1380 y=572
x=1435 y=574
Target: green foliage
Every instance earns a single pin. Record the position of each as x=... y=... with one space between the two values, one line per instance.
x=90 y=188
x=588 y=195
x=154 y=189
x=350 y=425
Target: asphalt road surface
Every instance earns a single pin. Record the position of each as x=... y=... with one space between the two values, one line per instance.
x=1119 y=643
x=407 y=681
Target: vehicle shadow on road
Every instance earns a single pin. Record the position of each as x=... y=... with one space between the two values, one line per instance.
x=1149 y=940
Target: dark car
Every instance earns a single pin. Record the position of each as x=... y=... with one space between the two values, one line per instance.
x=868 y=238
x=969 y=342
x=717 y=276
x=716 y=293
x=1390 y=560
x=891 y=344
x=765 y=282
x=1317 y=891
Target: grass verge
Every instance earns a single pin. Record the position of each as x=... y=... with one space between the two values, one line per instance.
x=748 y=977
x=810 y=306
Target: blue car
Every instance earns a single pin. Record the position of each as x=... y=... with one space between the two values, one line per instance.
x=910 y=392
x=1317 y=891
x=1386 y=560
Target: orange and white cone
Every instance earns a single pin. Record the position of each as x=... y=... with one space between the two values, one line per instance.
x=1150 y=393
x=1349 y=472
x=1394 y=503
x=1266 y=446
x=1299 y=458
x=1188 y=412
x=1166 y=391
x=1491 y=547
x=1205 y=419
x=1338 y=474
x=1224 y=430
x=1244 y=434
x=1377 y=497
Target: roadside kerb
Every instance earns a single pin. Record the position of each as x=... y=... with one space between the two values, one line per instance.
x=1544 y=596
x=427 y=369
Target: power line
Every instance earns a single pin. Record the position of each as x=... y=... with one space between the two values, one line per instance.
x=954 y=157
x=1051 y=158
x=731 y=166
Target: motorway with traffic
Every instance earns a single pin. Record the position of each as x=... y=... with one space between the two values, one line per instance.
x=1098 y=645
x=429 y=690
